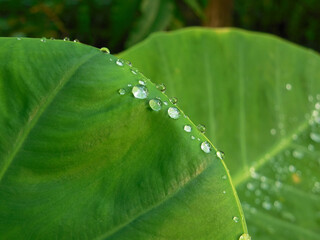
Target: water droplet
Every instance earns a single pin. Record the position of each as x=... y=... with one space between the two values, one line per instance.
x=317 y=106
x=140 y=91
x=250 y=186
x=129 y=85
x=310 y=147
x=224 y=177
x=174 y=112
x=128 y=63
x=18 y=38
x=155 y=104
x=297 y=154
x=277 y=205
x=264 y=186
x=288 y=86
x=187 y=128
x=120 y=62
x=133 y=71
x=43 y=39
x=198 y=139
x=201 y=128
x=105 y=50
x=224 y=192
x=245 y=236
x=220 y=154
x=142 y=82
x=52 y=38
x=266 y=205
x=161 y=87
x=173 y=100
x=205 y=146
x=273 y=131
x=66 y=39
x=315 y=137
x=122 y=91
x=192 y=137
x=316 y=187
x=235 y=219
x=76 y=41
x=165 y=103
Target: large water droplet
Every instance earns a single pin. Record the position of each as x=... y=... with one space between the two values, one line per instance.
x=220 y=154
x=105 y=50
x=43 y=39
x=245 y=236
x=173 y=100
x=174 y=112
x=187 y=128
x=140 y=91
x=155 y=104
x=201 y=128
x=205 y=146
x=235 y=219
x=120 y=62
x=122 y=91
x=161 y=87
x=315 y=137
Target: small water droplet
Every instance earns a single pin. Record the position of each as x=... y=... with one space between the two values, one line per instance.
x=161 y=87
x=43 y=39
x=266 y=205
x=128 y=63
x=250 y=186
x=297 y=154
x=224 y=177
x=155 y=104
x=245 y=236
x=18 y=38
x=201 y=128
x=129 y=85
x=235 y=219
x=198 y=139
x=66 y=39
x=220 y=154
x=122 y=91
x=187 y=128
x=142 y=82
x=76 y=41
x=140 y=91
x=120 y=62
x=173 y=100
x=105 y=50
x=224 y=192
x=273 y=131
x=174 y=112
x=52 y=38
x=310 y=147
x=277 y=205
x=317 y=106
x=288 y=86
x=192 y=137
x=205 y=146
x=315 y=137
x=133 y=71
x=165 y=103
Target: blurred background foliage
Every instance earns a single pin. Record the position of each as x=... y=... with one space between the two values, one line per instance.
x=120 y=24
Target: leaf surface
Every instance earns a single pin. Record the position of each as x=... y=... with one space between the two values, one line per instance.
x=259 y=97
x=80 y=161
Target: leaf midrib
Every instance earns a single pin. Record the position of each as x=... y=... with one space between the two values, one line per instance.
x=39 y=110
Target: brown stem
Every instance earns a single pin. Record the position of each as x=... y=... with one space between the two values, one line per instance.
x=219 y=13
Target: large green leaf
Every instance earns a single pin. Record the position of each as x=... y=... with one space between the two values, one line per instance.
x=80 y=161
x=259 y=98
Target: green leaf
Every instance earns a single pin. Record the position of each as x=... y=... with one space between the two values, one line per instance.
x=80 y=161
x=259 y=97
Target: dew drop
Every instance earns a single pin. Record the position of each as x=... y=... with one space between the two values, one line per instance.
x=105 y=50
x=155 y=104
x=250 y=186
x=120 y=62
x=128 y=63
x=18 y=38
x=288 y=86
x=140 y=91
x=224 y=192
x=129 y=85
x=134 y=71
x=310 y=147
x=76 y=41
x=173 y=100
x=142 y=82
x=266 y=205
x=122 y=91
x=235 y=219
x=43 y=39
x=173 y=112
x=192 y=137
x=273 y=131
x=187 y=128
x=161 y=87
x=315 y=137
x=245 y=236
x=224 y=177
x=66 y=39
x=220 y=154
x=165 y=103
x=297 y=154
x=277 y=205
x=205 y=146
x=201 y=128
x=317 y=106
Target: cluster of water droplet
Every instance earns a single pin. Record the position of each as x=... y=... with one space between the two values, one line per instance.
x=140 y=91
